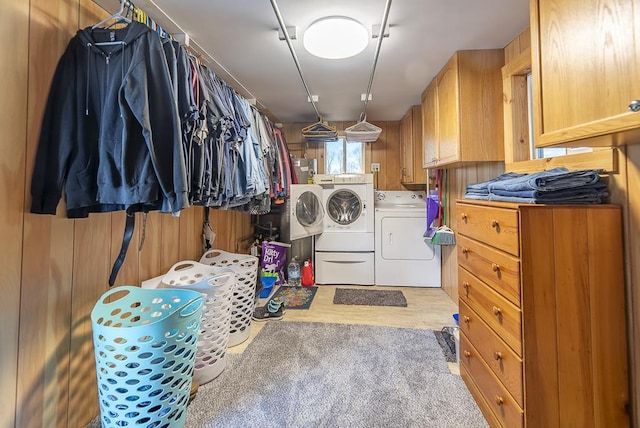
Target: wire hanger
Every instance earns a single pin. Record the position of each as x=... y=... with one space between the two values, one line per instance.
x=117 y=16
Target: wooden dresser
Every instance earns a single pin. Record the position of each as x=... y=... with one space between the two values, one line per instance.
x=542 y=313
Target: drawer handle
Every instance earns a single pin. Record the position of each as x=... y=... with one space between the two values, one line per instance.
x=497 y=311
x=465 y=285
x=466 y=319
x=499 y=400
x=464 y=216
x=495 y=267
x=465 y=251
x=634 y=106
x=494 y=223
x=497 y=355
x=467 y=354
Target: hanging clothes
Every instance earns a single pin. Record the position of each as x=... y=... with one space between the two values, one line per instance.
x=110 y=134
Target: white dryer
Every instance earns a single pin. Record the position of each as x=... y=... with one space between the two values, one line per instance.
x=306 y=211
x=402 y=256
x=344 y=251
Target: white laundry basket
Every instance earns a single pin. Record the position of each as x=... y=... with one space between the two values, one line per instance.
x=244 y=296
x=217 y=283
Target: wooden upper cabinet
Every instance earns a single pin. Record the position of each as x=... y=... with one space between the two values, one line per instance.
x=462 y=110
x=411 y=148
x=586 y=68
x=430 y=125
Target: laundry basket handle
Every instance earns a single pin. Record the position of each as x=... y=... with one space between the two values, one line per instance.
x=183 y=266
x=124 y=290
x=213 y=254
x=192 y=306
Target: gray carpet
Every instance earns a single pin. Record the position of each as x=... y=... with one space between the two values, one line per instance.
x=353 y=296
x=297 y=374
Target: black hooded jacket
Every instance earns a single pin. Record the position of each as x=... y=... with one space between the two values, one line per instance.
x=111 y=133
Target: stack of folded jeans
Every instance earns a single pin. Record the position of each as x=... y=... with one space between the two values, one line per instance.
x=555 y=186
x=481 y=190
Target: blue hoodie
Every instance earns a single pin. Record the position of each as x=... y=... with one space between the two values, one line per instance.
x=111 y=132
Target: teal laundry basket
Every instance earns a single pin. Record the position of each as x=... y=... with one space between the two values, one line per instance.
x=145 y=346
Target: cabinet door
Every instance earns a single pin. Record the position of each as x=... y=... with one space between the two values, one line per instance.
x=430 y=125
x=448 y=113
x=586 y=64
x=406 y=148
x=419 y=173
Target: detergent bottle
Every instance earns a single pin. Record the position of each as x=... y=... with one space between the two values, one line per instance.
x=307 y=273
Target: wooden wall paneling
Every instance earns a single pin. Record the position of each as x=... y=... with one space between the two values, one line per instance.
x=186 y=227
x=393 y=155
x=194 y=235
x=458 y=180
x=217 y=220
x=45 y=312
x=186 y=220
x=169 y=248
x=129 y=271
x=151 y=239
x=14 y=63
x=625 y=191
x=517 y=45
x=91 y=269
x=632 y=252
x=378 y=155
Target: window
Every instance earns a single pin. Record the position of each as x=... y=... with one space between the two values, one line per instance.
x=343 y=157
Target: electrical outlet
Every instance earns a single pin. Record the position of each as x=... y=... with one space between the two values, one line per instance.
x=375 y=167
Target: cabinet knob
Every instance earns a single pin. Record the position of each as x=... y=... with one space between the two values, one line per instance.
x=466 y=319
x=467 y=354
x=465 y=251
x=495 y=267
x=634 y=106
x=464 y=216
x=494 y=223
x=499 y=400
x=497 y=355
x=497 y=311
x=465 y=285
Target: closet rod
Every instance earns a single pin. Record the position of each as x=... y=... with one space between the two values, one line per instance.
x=276 y=10
x=385 y=16
x=152 y=10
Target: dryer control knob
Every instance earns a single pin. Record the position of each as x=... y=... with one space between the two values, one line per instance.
x=380 y=196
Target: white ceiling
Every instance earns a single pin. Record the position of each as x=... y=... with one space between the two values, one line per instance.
x=242 y=36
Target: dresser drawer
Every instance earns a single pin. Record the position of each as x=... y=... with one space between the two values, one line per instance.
x=502 y=360
x=497 y=227
x=501 y=315
x=501 y=403
x=499 y=270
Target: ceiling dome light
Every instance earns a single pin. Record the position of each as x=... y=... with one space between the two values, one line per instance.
x=335 y=37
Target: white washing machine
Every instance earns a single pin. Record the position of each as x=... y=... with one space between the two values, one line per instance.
x=402 y=256
x=344 y=251
x=306 y=211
